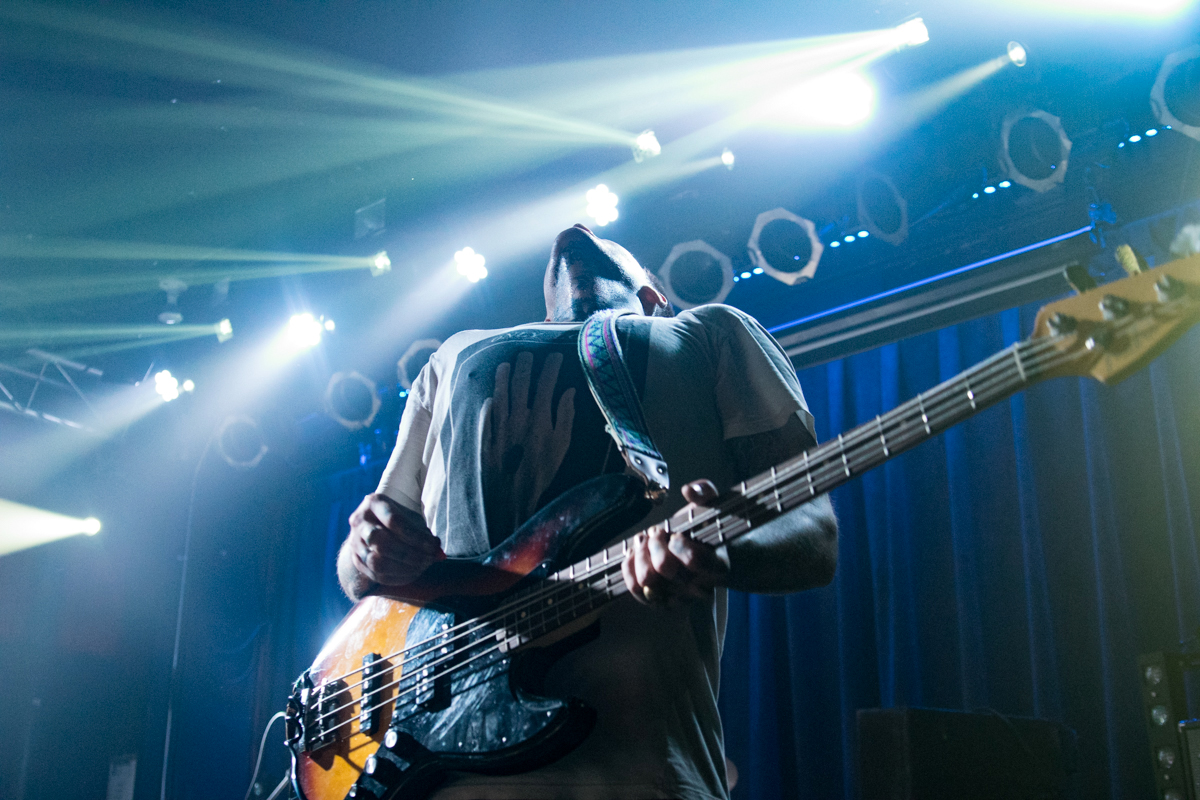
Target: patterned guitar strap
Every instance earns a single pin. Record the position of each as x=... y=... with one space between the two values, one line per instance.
x=615 y=393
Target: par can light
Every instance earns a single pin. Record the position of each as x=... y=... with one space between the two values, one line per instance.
x=646 y=146
x=695 y=273
x=470 y=265
x=352 y=400
x=1175 y=96
x=785 y=246
x=303 y=331
x=1017 y=54
x=1034 y=149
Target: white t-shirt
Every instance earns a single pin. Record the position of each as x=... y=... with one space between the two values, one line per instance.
x=499 y=423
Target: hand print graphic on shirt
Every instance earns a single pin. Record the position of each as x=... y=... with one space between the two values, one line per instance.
x=522 y=446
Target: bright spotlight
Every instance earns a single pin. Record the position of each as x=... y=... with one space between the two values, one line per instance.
x=912 y=33
x=727 y=158
x=381 y=263
x=1017 y=54
x=470 y=265
x=646 y=146
x=166 y=385
x=838 y=99
x=303 y=331
x=329 y=325
x=224 y=331
x=602 y=205
x=188 y=386
x=23 y=526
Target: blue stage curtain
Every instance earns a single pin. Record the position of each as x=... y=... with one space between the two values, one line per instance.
x=1019 y=562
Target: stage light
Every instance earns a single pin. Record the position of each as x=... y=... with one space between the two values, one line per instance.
x=882 y=210
x=785 y=246
x=414 y=359
x=224 y=331
x=835 y=243
x=352 y=400
x=745 y=276
x=240 y=442
x=22 y=527
x=1034 y=149
x=989 y=190
x=601 y=205
x=912 y=33
x=1135 y=138
x=329 y=325
x=646 y=146
x=695 y=273
x=470 y=265
x=727 y=158
x=166 y=385
x=838 y=99
x=1017 y=54
x=1004 y=184
x=381 y=263
x=1152 y=132
x=975 y=196
x=863 y=234
x=847 y=239
x=303 y=331
x=1175 y=96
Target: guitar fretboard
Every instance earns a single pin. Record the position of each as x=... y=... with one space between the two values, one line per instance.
x=588 y=585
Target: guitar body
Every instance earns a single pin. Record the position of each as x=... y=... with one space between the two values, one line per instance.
x=420 y=719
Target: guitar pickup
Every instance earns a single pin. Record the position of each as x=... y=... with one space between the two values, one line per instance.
x=433 y=679
x=369 y=704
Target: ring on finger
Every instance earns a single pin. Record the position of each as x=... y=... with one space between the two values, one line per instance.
x=648 y=594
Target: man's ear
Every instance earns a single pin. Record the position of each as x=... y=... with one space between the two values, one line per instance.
x=651 y=299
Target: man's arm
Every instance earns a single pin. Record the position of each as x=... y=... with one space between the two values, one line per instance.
x=388 y=545
x=797 y=551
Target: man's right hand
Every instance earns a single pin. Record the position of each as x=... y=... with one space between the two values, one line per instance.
x=389 y=544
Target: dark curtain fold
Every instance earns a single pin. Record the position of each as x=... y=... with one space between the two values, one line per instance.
x=1019 y=562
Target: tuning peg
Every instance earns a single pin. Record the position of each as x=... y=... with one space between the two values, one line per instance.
x=1112 y=306
x=1168 y=289
x=1079 y=278
x=1061 y=323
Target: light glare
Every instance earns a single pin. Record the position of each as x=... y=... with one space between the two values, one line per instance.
x=167 y=385
x=646 y=146
x=303 y=331
x=1126 y=8
x=329 y=325
x=91 y=526
x=224 y=331
x=727 y=157
x=381 y=263
x=602 y=205
x=1017 y=54
x=470 y=265
x=912 y=33
x=839 y=99
x=22 y=526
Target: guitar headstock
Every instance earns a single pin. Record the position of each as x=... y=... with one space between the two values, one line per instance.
x=1114 y=330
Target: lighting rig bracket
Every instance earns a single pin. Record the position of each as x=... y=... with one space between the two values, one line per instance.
x=24 y=391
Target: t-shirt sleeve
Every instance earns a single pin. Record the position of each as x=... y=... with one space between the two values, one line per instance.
x=756 y=385
x=404 y=476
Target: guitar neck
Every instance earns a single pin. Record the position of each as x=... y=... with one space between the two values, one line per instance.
x=589 y=584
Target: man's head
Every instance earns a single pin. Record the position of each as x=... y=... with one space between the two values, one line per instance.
x=587 y=274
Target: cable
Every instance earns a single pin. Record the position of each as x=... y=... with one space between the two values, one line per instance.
x=282 y=785
x=262 y=746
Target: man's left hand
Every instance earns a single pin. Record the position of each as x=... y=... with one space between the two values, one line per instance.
x=663 y=568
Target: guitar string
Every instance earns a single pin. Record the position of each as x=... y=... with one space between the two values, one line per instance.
x=617 y=589
x=785 y=495
x=824 y=466
x=782 y=473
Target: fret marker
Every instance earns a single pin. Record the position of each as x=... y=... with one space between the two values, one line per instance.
x=845 y=464
x=1020 y=366
x=882 y=438
x=924 y=416
x=775 y=490
x=812 y=492
x=971 y=396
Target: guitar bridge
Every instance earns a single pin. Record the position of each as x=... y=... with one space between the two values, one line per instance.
x=321 y=714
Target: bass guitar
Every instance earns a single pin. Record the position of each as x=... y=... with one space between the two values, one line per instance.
x=448 y=678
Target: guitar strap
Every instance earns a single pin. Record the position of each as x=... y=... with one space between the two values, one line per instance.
x=613 y=387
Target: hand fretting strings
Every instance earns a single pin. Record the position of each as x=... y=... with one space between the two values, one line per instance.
x=573 y=592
